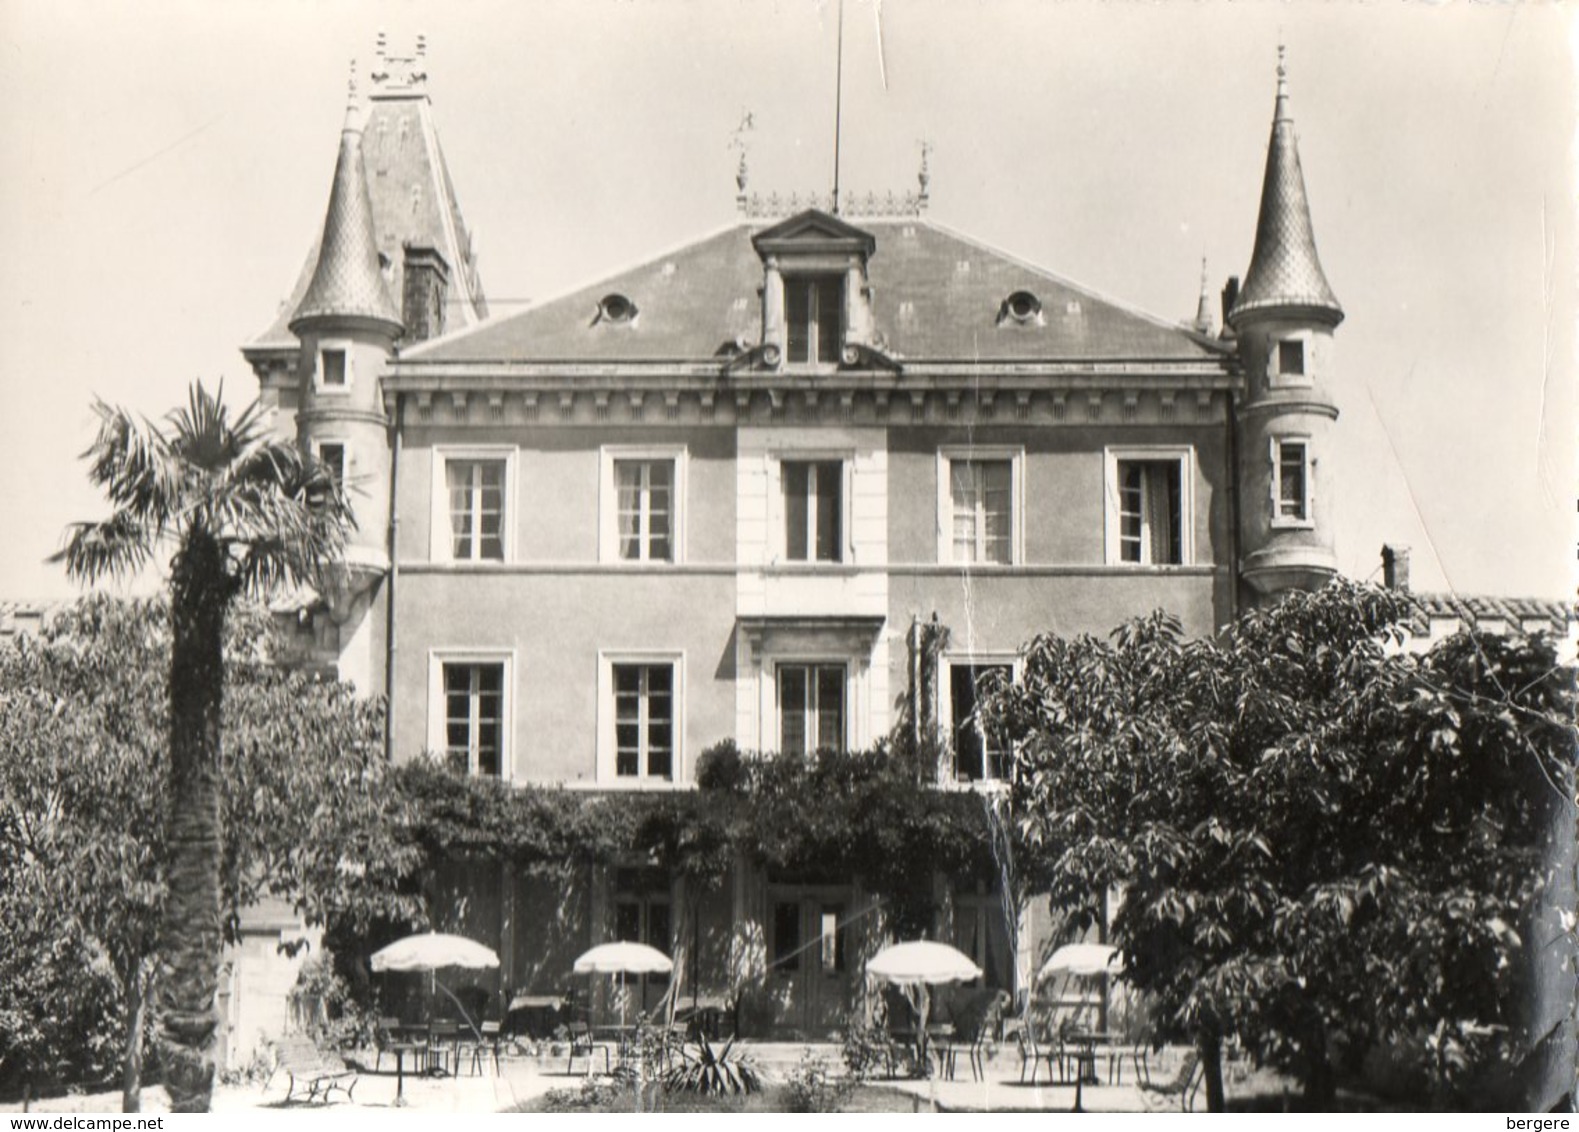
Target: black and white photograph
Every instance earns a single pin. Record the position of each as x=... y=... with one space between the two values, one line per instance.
x=788 y=556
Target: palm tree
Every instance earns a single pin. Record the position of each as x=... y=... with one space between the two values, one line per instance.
x=243 y=512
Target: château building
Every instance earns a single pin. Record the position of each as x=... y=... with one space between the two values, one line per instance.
x=719 y=495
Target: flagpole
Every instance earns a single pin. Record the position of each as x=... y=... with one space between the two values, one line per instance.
x=838 y=106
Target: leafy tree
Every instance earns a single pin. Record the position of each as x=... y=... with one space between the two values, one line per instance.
x=84 y=781
x=242 y=511
x=1324 y=843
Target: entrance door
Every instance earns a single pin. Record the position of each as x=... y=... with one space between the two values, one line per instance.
x=812 y=957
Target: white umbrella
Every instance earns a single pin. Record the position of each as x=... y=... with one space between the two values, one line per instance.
x=922 y=961
x=1083 y=959
x=920 y=964
x=623 y=958
x=430 y=951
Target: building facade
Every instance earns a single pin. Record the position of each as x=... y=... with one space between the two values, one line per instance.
x=718 y=495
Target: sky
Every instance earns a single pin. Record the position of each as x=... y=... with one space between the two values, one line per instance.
x=166 y=166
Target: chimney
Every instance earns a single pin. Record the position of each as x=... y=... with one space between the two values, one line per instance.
x=424 y=293
x=1395 y=567
x=1230 y=296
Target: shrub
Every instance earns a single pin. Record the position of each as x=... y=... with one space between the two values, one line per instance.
x=721 y=767
x=866 y=1050
x=704 y=1070
x=813 y=1087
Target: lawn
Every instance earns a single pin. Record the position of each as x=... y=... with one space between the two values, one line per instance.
x=607 y=1096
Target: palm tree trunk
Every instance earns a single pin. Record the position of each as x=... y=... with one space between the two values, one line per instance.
x=200 y=592
x=136 y=1017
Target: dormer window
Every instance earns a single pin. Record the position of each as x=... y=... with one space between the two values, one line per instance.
x=616 y=308
x=814 y=311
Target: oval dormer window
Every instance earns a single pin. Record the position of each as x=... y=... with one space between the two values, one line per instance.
x=616 y=308
x=1022 y=306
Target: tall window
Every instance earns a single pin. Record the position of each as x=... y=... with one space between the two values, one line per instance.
x=474 y=717
x=978 y=755
x=643 y=720
x=811 y=707
x=1150 y=512
x=814 y=310
x=646 y=509
x=1291 y=481
x=813 y=510
x=786 y=937
x=476 y=494
x=982 y=511
x=643 y=913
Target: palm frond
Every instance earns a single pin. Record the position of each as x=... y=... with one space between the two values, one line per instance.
x=135 y=466
x=116 y=547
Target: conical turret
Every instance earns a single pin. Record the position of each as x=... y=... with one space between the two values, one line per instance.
x=1285 y=276
x=348 y=281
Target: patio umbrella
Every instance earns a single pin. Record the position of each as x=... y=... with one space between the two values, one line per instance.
x=623 y=958
x=431 y=951
x=921 y=964
x=1082 y=959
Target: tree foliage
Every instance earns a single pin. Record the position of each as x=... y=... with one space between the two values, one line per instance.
x=241 y=511
x=83 y=788
x=1324 y=842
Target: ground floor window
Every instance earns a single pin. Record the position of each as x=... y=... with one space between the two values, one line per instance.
x=474 y=717
x=811 y=707
x=644 y=720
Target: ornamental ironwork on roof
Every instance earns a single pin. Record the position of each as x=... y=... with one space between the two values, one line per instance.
x=348 y=280
x=1285 y=273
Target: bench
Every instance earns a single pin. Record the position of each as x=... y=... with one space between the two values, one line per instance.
x=319 y=1071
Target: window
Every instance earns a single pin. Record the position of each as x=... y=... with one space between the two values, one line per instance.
x=1291 y=357
x=813 y=510
x=333 y=368
x=786 y=936
x=645 y=490
x=643 y=720
x=814 y=309
x=1149 y=507
x=978 y=756
x=332 y=457
x=642 y=913
x=476 y=509
x=641 y=496
x=474 y=717
x=1290 y=483
x=981 y=510
x=811 y=707
x=831 y=927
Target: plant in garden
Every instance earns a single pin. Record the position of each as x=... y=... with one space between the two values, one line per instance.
x=242 y=511
x=703 y=1069
x=813 y=1086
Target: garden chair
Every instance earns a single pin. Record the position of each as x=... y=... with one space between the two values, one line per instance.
x=320 y=1072
x=1183 y=1084
x=486 y=1043
x=386 y=1035
x=582 y=1044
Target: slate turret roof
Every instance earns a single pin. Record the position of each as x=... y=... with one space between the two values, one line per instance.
x=347 y=281
x=1285 y=272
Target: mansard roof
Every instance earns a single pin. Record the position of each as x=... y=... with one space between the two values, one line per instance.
x=412 y=201
x=936 y=296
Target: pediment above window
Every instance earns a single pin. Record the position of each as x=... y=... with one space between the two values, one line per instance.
x=814 y=233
